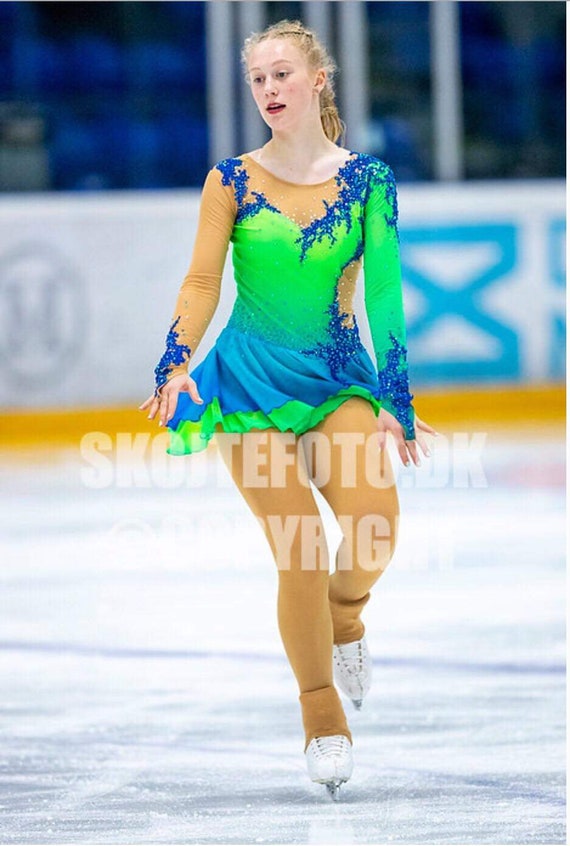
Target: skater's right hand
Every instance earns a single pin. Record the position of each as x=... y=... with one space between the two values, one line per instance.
x=166 y=399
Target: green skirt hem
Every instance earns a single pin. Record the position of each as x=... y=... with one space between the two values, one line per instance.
x=194 y=436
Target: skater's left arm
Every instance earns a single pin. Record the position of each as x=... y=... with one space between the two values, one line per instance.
x=383 y=300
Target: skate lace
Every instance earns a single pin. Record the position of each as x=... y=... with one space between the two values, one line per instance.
x=327 y=746
x=352 y=655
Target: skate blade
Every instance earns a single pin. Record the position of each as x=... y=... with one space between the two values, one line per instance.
x=333 y=789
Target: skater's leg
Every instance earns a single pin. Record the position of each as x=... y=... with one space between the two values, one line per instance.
x=270 y=472
x=360 y=488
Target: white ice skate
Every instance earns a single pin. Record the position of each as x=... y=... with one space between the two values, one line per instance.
x=329 y=760
x=353 y=670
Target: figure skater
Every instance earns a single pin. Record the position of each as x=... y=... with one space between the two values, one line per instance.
x=289 y=392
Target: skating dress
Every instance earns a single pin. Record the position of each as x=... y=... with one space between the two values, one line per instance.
x=290 y=352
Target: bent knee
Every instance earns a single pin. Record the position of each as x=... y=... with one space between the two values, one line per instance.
x=369 y=540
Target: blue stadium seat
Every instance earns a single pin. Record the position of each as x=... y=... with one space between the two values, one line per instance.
x=113 y=137
x=7 y=73
x=146 y=154
x=392 y=140
x=185 y=138
x=86 y=64
x=155 y=65
x=410 y=11
x=74 y=152
x=485 y=58
x=38 y=66
x=185 y=13
x=550 y=61
x=411 y=49
x=94 y=63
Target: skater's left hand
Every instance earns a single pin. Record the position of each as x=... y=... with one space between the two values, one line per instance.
x=406 y=449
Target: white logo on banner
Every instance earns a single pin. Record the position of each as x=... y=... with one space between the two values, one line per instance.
x=42 y=315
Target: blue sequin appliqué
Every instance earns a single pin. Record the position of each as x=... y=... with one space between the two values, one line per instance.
x=233 y=171
x=358 y=251
x=254 y=206
x=345 y=340
x=392 y=200
x=175 y=354
x=355 y=179
x=338 y=212
x=345 y=343
x=394 y=388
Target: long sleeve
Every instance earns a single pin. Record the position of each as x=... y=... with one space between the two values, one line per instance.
x=383 y=296
x=199 y=293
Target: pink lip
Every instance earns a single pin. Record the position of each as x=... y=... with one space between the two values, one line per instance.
x=274 y=106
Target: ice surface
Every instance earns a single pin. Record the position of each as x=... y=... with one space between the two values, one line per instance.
x=146 y=698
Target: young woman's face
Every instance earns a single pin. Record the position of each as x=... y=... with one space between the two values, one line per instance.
x=284 y=87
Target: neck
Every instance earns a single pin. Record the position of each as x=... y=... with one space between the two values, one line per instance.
x=302 y=146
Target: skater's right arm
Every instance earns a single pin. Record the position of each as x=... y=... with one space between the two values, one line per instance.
x=198 y=298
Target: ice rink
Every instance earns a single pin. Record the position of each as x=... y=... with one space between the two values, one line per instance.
x=146 y=697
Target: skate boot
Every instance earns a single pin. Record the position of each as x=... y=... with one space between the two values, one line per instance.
x=353 y=670
x=329 y=760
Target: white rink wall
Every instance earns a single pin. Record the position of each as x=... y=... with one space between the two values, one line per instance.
x=88 y=284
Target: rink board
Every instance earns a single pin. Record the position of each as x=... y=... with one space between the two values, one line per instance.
x=88 y=285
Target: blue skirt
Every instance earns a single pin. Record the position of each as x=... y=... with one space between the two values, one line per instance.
x=249 y=383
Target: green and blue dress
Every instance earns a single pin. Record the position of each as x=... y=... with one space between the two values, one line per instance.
x=290 y=352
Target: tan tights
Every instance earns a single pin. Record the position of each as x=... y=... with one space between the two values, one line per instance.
x=274 y=472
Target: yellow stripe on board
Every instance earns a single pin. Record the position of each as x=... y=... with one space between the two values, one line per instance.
x=471 y=409
x=501 y=404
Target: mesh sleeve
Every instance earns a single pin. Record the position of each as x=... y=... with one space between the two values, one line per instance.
x=199 y=293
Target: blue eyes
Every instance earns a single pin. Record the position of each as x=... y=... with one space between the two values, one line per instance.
x=279 y=75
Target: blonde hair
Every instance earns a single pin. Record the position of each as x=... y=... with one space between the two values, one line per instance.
x=317 y=57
